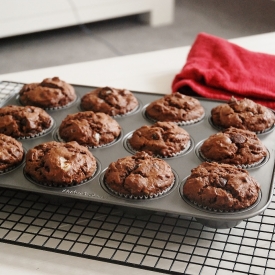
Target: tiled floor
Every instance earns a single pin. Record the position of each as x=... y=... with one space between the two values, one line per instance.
x=123 y=36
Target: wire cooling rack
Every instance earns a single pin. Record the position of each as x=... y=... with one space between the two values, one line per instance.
x=8 y=89
x=154 y=241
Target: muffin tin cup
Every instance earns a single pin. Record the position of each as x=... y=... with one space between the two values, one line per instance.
x=141 y=197
x=179 y=123
x=171 y=201
x=129 y=113
x=220 y=128
x=40 y=134
x=57 y=137
x=57 y=185
x=244 y=166
x=58 y=108
x=216 y=220
x=11 y=168
x=129 y=148
x=216 y=210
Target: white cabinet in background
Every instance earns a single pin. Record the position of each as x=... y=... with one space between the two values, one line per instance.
x=26 y=16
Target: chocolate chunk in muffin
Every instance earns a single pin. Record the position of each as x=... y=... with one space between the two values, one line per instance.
x=11 y=153
x=111 y=101
x=140 y=175
x=89 y=128
x=164 y=139
x=243 y=114
x=60 y=164
x=176 y=107
x=234 y=146
x=50 y=93
x=221 y=187
x=24 y=121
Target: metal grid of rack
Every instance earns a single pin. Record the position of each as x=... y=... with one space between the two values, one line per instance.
x=148 y=240
x=8 y=89
x=154 y=241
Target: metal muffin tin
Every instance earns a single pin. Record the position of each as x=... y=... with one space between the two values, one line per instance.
x=172 y=201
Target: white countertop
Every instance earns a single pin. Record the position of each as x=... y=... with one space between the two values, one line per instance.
x=146 y=72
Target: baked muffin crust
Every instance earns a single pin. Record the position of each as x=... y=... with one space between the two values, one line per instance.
x=89 y=128
x=110 y=101
x=234 y=146
x=175 y=107
x=163 y=139
x=50 y=93
x=243 y=114
x=11 y=152
x=221 y=187
x=23 y=121
x=139 y=175
x=60 y=164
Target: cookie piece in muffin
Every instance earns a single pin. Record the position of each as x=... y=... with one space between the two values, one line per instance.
x=140 y=175
x=221 y=187
x=176 y=107
x=60 y=164
x=164 y=139
x=243 y=114
x=24 y=121
x=49 y=94
x=89 y=128
x=111 y=101
x=234 y=146
x=11 y=153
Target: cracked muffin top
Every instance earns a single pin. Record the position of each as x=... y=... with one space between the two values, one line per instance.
x=243 y=114
x=60 y=164
x=164 y=139
x=177 y=108
x=139 y=175
x=11 y=152
x=221 y=187
x=108 y=100
x=24 y=121
x=89 y=128
x=50 y=93
x=234 y=146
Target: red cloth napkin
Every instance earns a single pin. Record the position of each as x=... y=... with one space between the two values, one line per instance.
x=218 y=69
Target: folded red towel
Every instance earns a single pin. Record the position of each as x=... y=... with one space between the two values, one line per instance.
x=218 y=69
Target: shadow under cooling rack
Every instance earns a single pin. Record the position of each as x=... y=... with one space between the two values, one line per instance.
x=154 y=241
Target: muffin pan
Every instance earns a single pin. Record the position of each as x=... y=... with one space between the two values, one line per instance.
x=171 y=201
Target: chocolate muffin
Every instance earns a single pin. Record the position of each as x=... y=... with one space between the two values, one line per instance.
x=140 y=175
x=164 y=139
x=221 y=187
x=51 y=93
x=243 y=114
x=24 y=121
x=111 y=101
x=89 y=128
x=175 y=107
x=234 y=146
x=11 y=153
x=60 y=164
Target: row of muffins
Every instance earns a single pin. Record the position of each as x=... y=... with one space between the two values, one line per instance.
x=136 y=181
x=54 y=93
